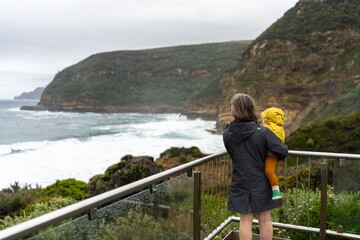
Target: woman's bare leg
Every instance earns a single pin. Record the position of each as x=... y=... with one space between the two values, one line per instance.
x=245 y=228
x=266 y=227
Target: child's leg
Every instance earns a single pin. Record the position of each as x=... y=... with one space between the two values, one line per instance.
x=270 y=165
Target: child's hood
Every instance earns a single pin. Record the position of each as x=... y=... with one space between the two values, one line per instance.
x=273 y=115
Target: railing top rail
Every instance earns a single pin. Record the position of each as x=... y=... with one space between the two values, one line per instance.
x=84 y=206
x=324 y=154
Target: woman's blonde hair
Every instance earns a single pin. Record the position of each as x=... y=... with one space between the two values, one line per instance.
x=243 y=107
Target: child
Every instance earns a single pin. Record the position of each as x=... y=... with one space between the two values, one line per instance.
x=273 y=119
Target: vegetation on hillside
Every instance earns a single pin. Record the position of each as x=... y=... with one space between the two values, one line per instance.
x=337 y=134
x=318 y=30
x=163 y=79
x=314 y=16
x=344 y=105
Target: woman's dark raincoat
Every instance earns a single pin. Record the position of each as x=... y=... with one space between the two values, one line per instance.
x=247 y=144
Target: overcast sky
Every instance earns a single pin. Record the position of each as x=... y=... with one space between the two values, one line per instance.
x=38 y=38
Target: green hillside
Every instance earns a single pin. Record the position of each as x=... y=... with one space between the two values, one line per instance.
x=163 y=79
x=314 y=16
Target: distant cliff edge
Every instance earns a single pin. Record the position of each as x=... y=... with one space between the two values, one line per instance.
x=36 y=94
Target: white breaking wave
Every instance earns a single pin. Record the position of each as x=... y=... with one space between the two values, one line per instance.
x=44 y=162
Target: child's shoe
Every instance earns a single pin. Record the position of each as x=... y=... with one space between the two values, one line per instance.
x=276 y=195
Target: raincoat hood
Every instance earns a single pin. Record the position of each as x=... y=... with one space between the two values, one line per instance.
x=274 y=119
x=273 y=115
x=241 y=130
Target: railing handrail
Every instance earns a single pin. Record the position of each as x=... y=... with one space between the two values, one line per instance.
x=86 y=205
x=324 y=154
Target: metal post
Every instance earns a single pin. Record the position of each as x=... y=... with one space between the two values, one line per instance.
x=196 y=212
x=92 y=214
x=324 y=177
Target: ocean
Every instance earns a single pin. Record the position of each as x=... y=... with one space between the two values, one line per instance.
x=40 y=147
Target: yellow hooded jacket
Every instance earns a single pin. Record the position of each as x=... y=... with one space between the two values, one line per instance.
x=273 y=119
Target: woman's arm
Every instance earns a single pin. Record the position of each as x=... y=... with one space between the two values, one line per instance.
x=275 y=146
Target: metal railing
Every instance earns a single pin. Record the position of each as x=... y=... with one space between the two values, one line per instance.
x=292 y=169
x=211 y=177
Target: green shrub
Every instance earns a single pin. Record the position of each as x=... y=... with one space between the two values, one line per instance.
x=193 y=152
x=16 y=198
x=347 y=212
x=137 y=225
x=36 y=210
x=128 y=170
x=196 y=153
x=302 y=207
x=67 y=188
x=215 y=211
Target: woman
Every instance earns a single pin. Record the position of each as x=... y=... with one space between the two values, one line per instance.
x=247 y=143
